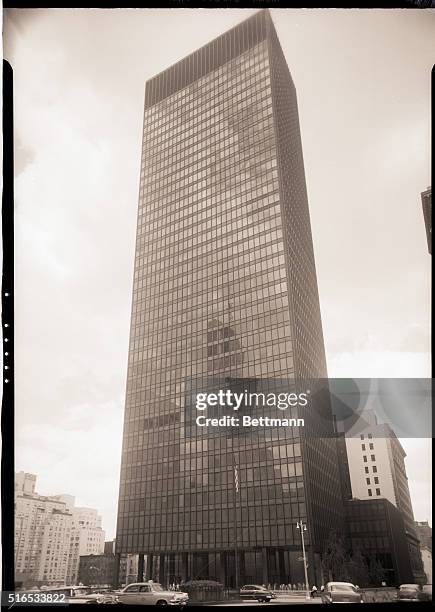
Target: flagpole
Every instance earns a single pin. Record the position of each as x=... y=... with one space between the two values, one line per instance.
x=236 y=486
x=236 y=543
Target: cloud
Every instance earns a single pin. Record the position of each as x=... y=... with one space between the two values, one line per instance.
x=379 y=364
x=79 y=456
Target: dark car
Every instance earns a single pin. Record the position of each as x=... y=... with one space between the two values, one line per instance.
x=255 y=591
x=341 y=592
x=412 y=592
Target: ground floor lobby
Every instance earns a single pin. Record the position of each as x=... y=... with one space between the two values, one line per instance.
x=233 y=568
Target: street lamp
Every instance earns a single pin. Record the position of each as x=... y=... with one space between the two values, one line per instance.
x=303 y=527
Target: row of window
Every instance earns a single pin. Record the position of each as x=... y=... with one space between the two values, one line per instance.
x=229 y=215
x=197 y=114
x=159 y=147
x=251 y=236
x=236 y=181
x=198 y=333
x=211 y=202
x=370 y=492
x=372 y=458
x=256 y=58
x=225 y=248
x=243 y=158
x=232 y=213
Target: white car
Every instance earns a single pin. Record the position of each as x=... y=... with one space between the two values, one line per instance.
x=150 y=593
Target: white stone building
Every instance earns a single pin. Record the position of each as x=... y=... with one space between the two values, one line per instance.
x=50 y=535
x=42 y=535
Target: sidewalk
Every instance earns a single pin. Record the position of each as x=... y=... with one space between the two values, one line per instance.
x=283 y=598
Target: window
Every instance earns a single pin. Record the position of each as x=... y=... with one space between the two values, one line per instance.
x=372 y=457
x=376 y=480
x=369 y=491
x=378 y=491
x=371 y=446
x=365 y=458
x=363 y=446
x=375 y=469
x=370 y=436
x=366 y=470
x=368 y=480
x=362 y=436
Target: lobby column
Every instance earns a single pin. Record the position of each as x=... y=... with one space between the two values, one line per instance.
x=281 y=567
x=222 y=564
x=116 y=571
x=242 y=570
x=184 y=566
x=264 y=562
x=140 y=566
x=162 y=576
x=149 y=572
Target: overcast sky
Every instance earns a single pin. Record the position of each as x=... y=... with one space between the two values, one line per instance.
x=363 y=83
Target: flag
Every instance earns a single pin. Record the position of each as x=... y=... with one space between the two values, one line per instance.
x=236 y=478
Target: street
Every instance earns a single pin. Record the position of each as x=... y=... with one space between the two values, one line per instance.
x=283 y=599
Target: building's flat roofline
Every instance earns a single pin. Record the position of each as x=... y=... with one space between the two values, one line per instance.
x=210 y=42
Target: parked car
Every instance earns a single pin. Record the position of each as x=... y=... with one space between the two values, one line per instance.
x=341 y=592
x=150 y=593
x=74 y=595
x=255 y=591
x=93 y=598
x=412 y=592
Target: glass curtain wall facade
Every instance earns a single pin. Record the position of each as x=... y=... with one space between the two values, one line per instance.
x=224 y=286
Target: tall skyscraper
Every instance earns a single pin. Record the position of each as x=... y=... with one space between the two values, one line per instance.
x=224 y=287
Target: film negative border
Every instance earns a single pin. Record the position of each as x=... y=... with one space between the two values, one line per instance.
x=7 y=418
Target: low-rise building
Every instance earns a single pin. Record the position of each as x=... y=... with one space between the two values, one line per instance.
x=424 y=533
x=97 y=570
x=376 y=529
x=100 y=570
x=377 y=470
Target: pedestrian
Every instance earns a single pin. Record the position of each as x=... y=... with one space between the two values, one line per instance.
x=313 y=590
x=322 y=588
